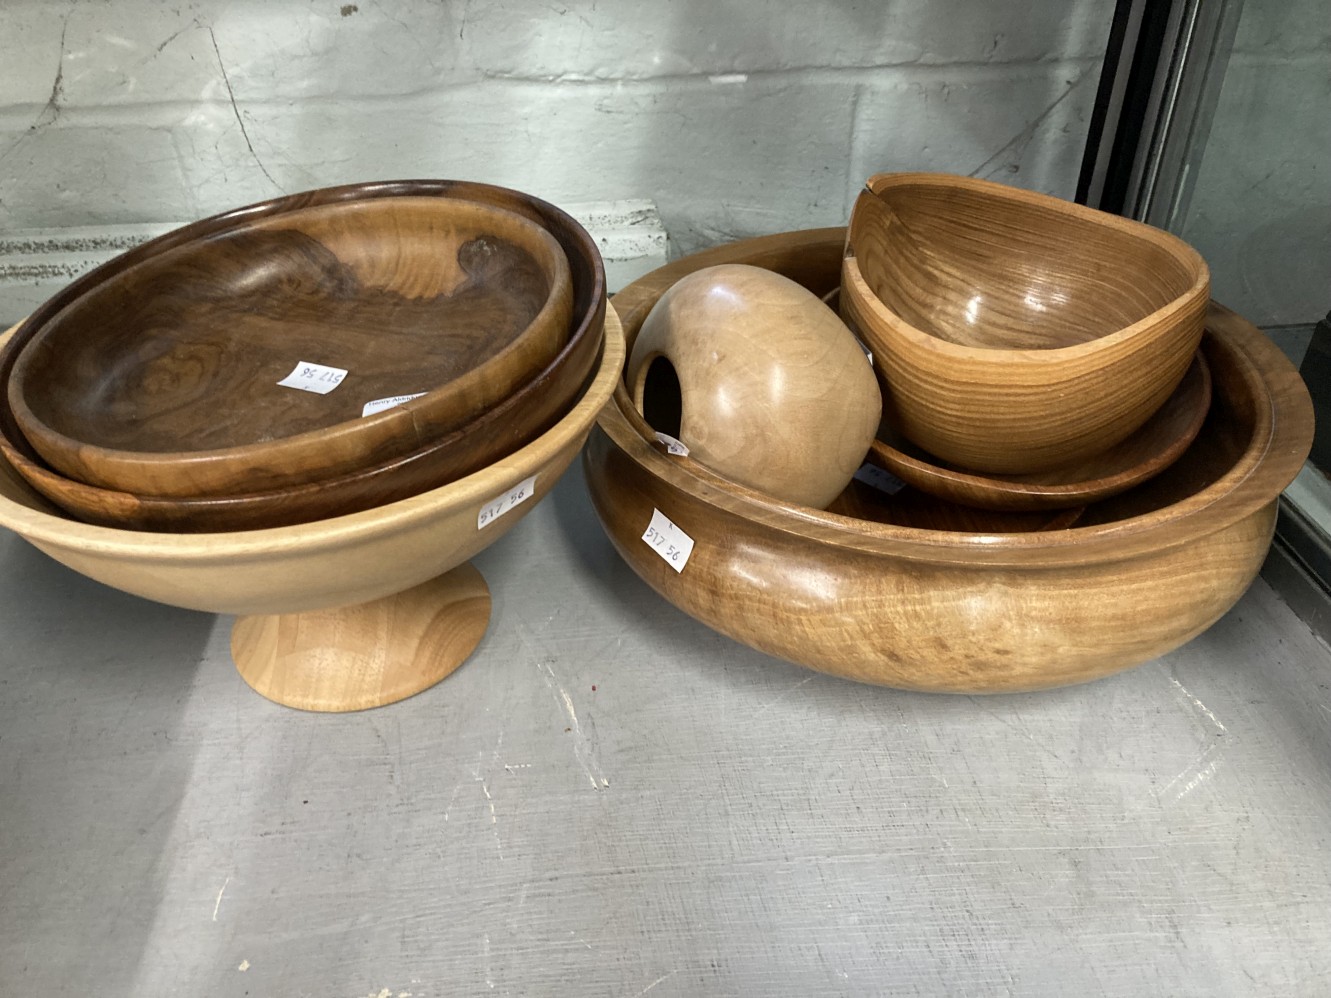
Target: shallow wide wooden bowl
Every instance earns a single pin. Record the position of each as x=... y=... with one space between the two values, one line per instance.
x=1017 y=332
x=962 y=611
x=760 y=380
x=158 y=373
x=521 y=417
x=1155 y=445
x=338 y=562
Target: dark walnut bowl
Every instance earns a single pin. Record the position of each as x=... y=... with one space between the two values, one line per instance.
x=971 y=610
x=158 y=372
x=1017 y=332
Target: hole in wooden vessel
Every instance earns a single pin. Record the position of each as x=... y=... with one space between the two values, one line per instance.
x=660 y=398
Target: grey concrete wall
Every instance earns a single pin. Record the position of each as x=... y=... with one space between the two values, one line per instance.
x=735 y=118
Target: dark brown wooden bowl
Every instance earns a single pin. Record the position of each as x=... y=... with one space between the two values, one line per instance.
x=507 y=427
x=968 y=611
x=158 y=372
x=1157 y=444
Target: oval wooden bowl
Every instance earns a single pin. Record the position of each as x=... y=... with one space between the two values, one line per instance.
x=760 y=380
x=1156 y=444
x=516 y=421
x=1016 y=331
x=954 y=611
x=335 y=562
x=158 y=373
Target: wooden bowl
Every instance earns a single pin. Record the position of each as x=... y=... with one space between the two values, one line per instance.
x=368 y=563
x=965 y=612
x=1016 y=331
x=516 y=421
x=760 y=380
x=1156 y=444
x=166 y=371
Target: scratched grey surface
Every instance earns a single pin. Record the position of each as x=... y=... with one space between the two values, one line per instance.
x=707 y=821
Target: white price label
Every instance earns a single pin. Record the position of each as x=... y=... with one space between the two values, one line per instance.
x=316 y=378
x=392 y=402
x=672 y=544
x=497 y=507
x=672 y=445
x=883 y=481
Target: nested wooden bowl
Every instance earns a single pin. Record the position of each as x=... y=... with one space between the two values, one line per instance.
x=158 y=373
x=1017 y=332
x=515 y=421
x=759 y=379
x=965 y=611
x=1152 y=448
x=344 y=613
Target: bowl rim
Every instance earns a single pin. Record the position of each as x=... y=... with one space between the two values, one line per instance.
x=863 y=296
x=61 y=531
x=373 y=427
x=1270 y=461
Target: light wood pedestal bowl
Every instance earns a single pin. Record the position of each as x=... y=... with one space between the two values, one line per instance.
x=954 y=611
x=345 y=613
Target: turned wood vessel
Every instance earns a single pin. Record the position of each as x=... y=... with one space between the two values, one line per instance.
x=1017 y=332
x=964 y=611
x=759 y=379
x=1155 y=445
x=366 y=651
x=169 y=371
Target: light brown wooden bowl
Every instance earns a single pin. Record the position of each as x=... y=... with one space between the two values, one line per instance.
x=1017 y=332
x=1152 y=448
x=158 y=373
x=336 y=562
x=517 y=420
x=955 y=611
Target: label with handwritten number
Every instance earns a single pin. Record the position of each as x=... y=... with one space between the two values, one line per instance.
x=392 y=402
x=316 y=378
x=672 y=445
x=883 y=481
x=496 y=508
x=672 y=544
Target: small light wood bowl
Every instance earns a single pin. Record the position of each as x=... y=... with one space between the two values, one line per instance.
x=344 y=613
x=957 y=611
x=158 y=372
x=514 y=422
x=760 y=380
x=1017 y=332
x=1155 y=445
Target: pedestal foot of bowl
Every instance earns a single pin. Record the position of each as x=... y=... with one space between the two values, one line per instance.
x=368 y=655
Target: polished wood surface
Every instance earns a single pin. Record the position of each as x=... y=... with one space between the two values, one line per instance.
x=911 y=507
x=336 y=562
x=1157 y=444
x=367 y=655
x=160 y=376
x=761 y=381
x=1018 y=332
x=962 y=611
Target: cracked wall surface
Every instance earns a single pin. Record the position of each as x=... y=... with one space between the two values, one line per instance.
x=737 y=119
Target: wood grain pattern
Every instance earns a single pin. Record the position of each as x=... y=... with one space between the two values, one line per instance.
x=368 y=655
x=1018 y=332
x=770 y=389
x=1157 y=444
x=341 y=561
x=962 y=611
x=160 y=376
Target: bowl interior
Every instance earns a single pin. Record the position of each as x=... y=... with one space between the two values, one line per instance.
x=184 y=350
x=983 y=265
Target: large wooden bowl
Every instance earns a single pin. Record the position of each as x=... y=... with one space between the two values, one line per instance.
x=959 y=611
x=1016 y=331
x=383 y=639
x=517 y=420
x=159 y=373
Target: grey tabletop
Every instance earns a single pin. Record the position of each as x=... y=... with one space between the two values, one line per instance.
x=610 y=799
